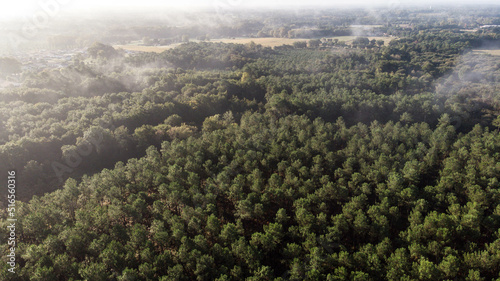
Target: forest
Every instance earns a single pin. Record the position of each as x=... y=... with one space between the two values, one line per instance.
x=212 y=161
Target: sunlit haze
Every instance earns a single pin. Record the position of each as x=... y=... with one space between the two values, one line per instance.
x=27 y=8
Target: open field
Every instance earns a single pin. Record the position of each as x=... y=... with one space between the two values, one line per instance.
x=494 y=52
x=138 y=48
x=272 y=42
x=366 y=25
x=264 y=41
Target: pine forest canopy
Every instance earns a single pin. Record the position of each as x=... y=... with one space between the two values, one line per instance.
x=325 y=159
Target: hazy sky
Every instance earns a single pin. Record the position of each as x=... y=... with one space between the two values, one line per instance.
x=29 y=8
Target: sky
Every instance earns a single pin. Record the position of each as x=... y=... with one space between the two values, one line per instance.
x=30 y=8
